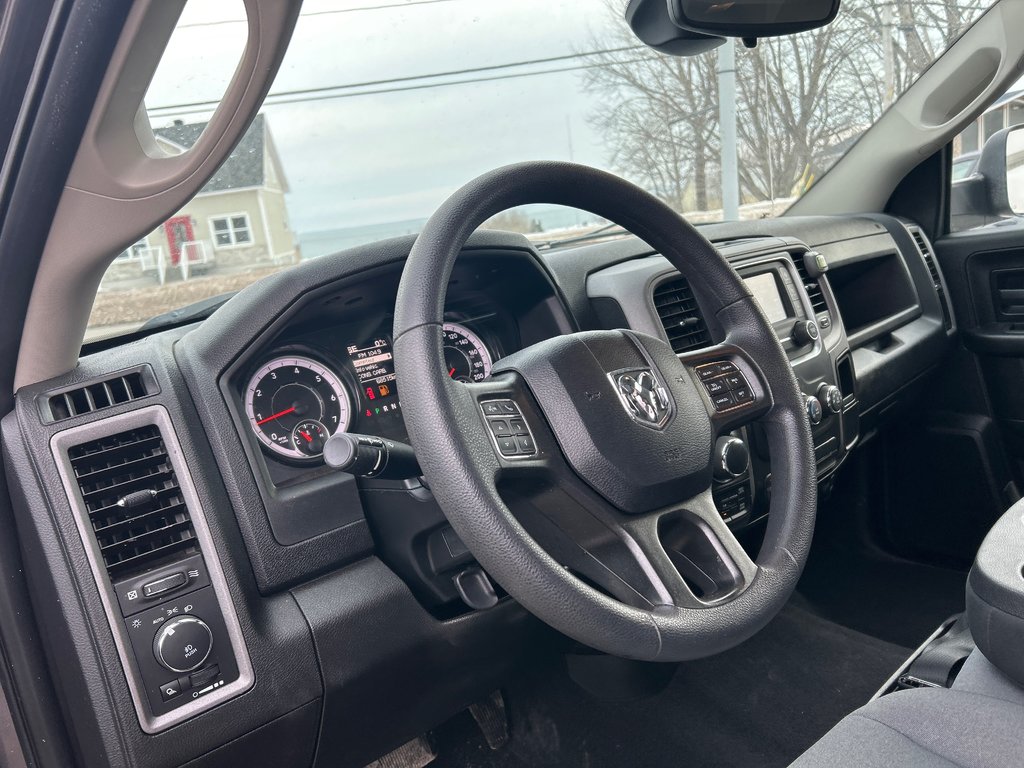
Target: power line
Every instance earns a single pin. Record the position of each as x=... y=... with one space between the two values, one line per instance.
x=328 y=92
x=320 y=13
x=209 y=106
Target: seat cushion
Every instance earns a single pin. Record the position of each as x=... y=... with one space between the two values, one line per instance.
x=926 y=727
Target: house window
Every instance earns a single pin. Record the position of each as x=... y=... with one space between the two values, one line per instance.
x=231 y=230
x=133 y=252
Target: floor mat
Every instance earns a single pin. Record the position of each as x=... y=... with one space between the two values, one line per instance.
x=895 y=600
x=761 y=704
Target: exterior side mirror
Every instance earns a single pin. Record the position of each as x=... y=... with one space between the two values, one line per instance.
x=996 y=188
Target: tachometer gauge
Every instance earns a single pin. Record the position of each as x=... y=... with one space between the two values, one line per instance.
x=293 y=399
x=466 y=358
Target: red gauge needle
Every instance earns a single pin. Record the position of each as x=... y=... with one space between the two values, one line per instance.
x=451 y=373
x=306 y=436
x=276 y=416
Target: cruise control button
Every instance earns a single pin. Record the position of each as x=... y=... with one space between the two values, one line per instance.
x=518 y=427
x=743 y=395
x=508 y=446
x=492 y=408
x=735 y=381
x=726 y=367
x=526 y=445
x=715 y=386
x=723 y=401
x=499 y=427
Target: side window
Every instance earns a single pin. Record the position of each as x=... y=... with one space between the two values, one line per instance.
x=988 y=165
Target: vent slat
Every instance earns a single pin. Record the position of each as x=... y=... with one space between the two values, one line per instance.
x=811 y=286
x=680 y=315
x=133 y=537
x=97 y=395
x=933 y=270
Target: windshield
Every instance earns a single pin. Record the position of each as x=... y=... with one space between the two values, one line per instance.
x=382 y=109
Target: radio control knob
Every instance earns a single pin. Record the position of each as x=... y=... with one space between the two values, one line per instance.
x=731 y=458
x=804 y=332
x=814 y=410
x=183 y=644
x=831 y=396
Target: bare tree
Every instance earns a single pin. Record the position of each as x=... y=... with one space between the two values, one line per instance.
x=801 y=99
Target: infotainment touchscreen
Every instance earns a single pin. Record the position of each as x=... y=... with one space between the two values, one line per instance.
x=766 y=291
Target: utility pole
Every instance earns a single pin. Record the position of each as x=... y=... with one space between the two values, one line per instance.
x=727 y=122
x=889 y=56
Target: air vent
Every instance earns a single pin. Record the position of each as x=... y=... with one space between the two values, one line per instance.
x=97 y=395
x=680 y=315
x=933 y=270
x=811 y=286
x=135 y=506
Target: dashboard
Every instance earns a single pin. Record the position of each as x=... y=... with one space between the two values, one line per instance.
x=321 y=594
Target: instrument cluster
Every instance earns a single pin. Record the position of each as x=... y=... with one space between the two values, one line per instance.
x=312 y=388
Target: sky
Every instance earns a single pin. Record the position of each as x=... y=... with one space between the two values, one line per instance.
x=373 y=157
x=368 y=159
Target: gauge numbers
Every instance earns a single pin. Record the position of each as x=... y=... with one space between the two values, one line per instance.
x=294 y=403
x=466 y=358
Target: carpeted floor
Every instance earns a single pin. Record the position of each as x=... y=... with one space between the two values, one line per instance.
x=761 y=704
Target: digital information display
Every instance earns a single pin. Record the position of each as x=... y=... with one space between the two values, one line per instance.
x=766 y=291
x=374 y=365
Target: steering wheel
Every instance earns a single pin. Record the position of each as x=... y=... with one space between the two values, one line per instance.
x=598 y=517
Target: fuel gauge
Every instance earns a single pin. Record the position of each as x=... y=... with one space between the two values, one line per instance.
x=309 y=437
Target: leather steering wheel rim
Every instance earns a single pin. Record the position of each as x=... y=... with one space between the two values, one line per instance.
x=458 y=459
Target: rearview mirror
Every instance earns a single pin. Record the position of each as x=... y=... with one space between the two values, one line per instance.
x=752 y=18
x=690 y=27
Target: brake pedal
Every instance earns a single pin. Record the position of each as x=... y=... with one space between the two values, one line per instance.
x=413 y=754
x=492 y=718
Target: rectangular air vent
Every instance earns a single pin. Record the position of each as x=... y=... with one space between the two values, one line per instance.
x=97 y=395
x=928 y=255
x=811 y=286
x=135 y=505
x=680 y=315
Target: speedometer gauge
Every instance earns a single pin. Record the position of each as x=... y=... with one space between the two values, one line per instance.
x=466 y=358
x=291 y=399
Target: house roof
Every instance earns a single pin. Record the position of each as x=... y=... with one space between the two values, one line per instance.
x=245 y=166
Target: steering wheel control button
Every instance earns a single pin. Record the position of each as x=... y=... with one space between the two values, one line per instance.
x=716 y=386
x=735 y=381
x=183 y=644
x=724 y=401
x=492 y=408
x=170 y=690
x=511 y=433
x=743 y=395
x=500 y=428
x=508 y=446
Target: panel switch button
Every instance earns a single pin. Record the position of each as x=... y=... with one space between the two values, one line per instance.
x=166 y=584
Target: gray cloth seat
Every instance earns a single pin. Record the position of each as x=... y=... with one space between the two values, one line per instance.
x=926 y=727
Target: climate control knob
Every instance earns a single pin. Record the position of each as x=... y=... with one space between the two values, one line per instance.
x=183 y=644
x=831 y=397
x=814 y=410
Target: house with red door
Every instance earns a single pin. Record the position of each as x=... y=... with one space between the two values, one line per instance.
x=238 y=222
